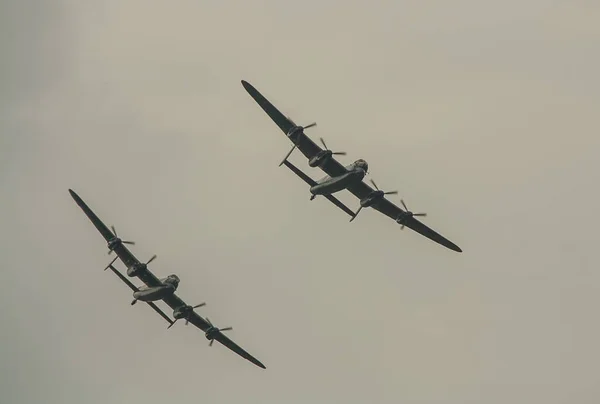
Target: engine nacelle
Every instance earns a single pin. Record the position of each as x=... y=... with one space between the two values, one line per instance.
x=370 y=199
x=320 y=159
x=403 y=217
x=182 y=312
x=113 y=242
x=294 y=132
x=134 y=270
x=211 y=333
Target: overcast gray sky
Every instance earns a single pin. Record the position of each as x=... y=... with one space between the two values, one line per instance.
x=483 y=114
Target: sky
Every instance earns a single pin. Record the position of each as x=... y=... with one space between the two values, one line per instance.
x=480 y=113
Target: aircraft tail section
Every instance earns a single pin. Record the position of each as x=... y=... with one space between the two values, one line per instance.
x=312 y=183
x=299 y=173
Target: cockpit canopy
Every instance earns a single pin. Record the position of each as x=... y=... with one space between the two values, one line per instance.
x=362 y=164
x=173 y=279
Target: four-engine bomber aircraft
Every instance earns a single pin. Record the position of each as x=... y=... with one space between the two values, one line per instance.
x=341 y=177
x=158 y=289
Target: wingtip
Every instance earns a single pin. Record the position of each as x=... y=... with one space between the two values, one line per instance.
x=454 y=247
x=256 y=362
x=76 y=198
x=247 y=85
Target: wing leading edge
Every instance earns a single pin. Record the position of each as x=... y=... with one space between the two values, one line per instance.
x=305 y=144
x=122 y=252
x=361 y=190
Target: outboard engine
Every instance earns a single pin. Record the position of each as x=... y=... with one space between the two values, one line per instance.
x=115 y=241
x=183 y=312
x=294 y=135
x=136 y=269
x=403 y=218
x=323 y=156
x=373 y=197
x=213 y=331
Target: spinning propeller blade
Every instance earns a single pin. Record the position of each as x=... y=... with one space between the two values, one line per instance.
x=385 y=193
x=327 y=148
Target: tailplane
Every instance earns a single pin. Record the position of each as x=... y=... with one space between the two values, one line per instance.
x=312 y=183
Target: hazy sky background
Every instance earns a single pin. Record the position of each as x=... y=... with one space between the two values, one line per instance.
x=483 y=114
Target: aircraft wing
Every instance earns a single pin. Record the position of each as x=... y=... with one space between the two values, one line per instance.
x=361 y=190
x=122 y=252
x=204 y=325
x=309 y=148
x=222 y=338
x=135 y=289
x=174 y=302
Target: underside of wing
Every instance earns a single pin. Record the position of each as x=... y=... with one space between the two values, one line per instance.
x=392 y=211
x=122 y=252
x=198 y=321
x=281 y=120
x=362 y=190
x=303 y=143
x=204 y=325
x=237 y=349
x=102 y=228
x=309 y=148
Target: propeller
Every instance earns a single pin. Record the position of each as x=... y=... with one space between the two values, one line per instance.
x=218 y=329
x=188 y=310
x=385 y=193
x=118 y=240
x=140 y=266
x=373 y=197
x=193 y=307
x=296 y=128
x=407 y=214
x=150 y=260
x=327 y=148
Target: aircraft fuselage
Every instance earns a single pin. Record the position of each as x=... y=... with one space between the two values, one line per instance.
x=336 y=184
x=154 y=293
x=355 y=172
